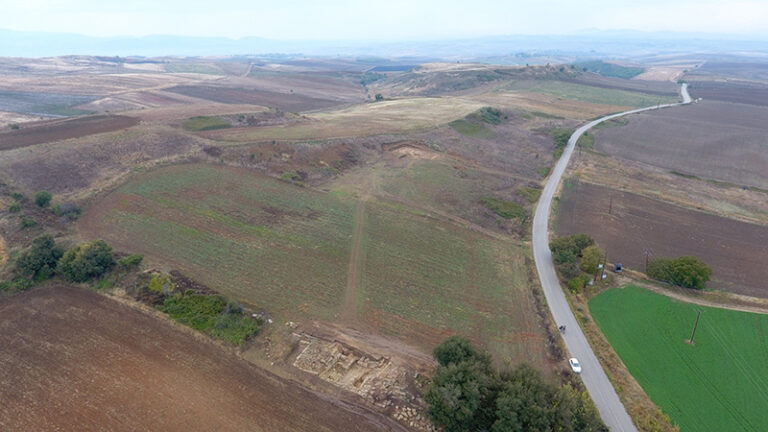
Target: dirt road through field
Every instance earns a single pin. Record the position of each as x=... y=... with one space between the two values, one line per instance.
x=349 y=313
x=600 y=388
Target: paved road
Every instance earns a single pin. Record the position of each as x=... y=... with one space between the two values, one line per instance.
x=608 y=404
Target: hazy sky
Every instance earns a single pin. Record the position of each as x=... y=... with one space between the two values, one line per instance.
x=388 y=19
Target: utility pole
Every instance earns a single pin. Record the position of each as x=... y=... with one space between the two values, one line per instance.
x=605 y=261
x=647 y=253
x=696 y=324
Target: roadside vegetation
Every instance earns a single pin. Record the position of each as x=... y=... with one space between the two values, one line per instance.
x=504 y=208
x=561 y=137
x=719 y=382
x=577 y=260
x=468 y=394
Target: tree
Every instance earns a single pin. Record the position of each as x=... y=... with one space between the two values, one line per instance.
x=685 y=271
x=455 y=396
x=86 y=261
x=457 y=349
x=590 y=258
x=43 y=198
x=379 y=97
x=41 y=259
x=466 y=394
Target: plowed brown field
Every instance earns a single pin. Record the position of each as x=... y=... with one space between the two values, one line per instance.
x=735 y=250
x=47 y=131
x=73 y=360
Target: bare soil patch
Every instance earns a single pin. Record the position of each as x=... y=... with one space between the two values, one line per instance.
x=56 y=130
x=284 y=101
x=75 y=360
x=735 y=250
x=711 y=139
x=741 y=92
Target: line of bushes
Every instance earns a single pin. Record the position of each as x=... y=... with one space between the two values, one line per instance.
x=561 y=137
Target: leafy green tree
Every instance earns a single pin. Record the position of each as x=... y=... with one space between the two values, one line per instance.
x=466 y=394
x=685 y=271
x=455 y=396
x=86 y=261
x=41 y=259
x=590 y=258
x=43 y=198
x=457 y=349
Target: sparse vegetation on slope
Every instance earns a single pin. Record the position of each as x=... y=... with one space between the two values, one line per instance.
x=610 y=69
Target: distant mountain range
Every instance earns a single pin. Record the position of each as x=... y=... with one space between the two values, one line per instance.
x=619 y=44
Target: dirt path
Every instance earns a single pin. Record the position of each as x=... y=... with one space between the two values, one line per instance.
x=755 y=305
x=349 y=311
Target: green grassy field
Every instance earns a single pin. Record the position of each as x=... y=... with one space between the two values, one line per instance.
x=471 y=129
x=719 y=384
x=273 y=245
x=253 y=238
x=424 y=280
x=204 y=123
x=599 y=95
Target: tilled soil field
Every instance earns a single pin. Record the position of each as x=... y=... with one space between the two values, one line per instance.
x=749 y=93
x=47 y=131
x=283 y=101
x=711 y=139
x=73 y=360
x=735 y=250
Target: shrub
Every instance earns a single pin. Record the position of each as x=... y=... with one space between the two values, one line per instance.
x=26 y=222
x=574 y=244
x=504 y=208
x=569 y=270
x=529 y=193
x=86 y=261
x=41 y=260
x=130 y=261
x=685 y=271
x=17 y=196
x=16 y=285
x=43 y=198
x=379 y=97
x=14 y=126
x=577 y=283
x=211 y=314
x=161 y=284
x=15 y=207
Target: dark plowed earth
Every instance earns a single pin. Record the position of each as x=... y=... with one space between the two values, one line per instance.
x=73 y=360
x=735 y=250
x=283 y=101
x=748 y=93
x=55 y=130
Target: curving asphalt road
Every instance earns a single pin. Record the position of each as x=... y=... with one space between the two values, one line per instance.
x=600 y=388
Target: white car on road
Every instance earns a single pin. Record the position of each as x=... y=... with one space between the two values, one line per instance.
x=575 y=365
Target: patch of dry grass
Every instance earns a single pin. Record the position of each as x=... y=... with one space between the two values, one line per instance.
x=390 y=116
